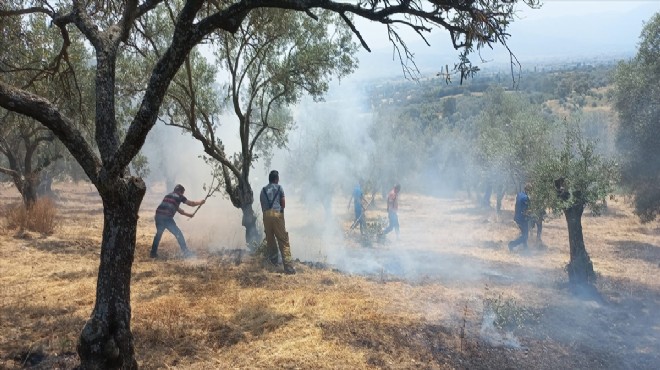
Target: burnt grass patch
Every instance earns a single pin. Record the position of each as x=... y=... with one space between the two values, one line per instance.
x=384 y=342
x=424 y=345
x=40 y=360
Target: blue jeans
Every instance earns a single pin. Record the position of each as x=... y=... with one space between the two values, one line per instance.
x=359 y=215
x=162 y=223
x=394 y=223
x=524 y=232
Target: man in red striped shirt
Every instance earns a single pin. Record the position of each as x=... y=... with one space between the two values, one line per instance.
x=165 y=219
x=392 y=209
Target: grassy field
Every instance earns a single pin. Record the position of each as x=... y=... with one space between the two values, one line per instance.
x=447 y=295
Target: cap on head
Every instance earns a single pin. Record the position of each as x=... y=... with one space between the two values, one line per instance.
x=273 y=176
x=179 y=188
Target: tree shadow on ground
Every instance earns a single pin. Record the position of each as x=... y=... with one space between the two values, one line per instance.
x=80 y=214
x=162 y=343
x=603 y=328
x=52 y=332
x=73 y=246
x=642 y=251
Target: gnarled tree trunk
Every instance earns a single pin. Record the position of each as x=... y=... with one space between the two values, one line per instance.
x=106 y=341
x=580 y=269
x=250 y=224
x=249 y=220
x=242 y=197
x=28 y=189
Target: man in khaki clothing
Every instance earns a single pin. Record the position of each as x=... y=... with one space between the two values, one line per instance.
x=272 y=205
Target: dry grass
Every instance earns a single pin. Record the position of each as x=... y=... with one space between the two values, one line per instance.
x=41 y=217
x=423 y=302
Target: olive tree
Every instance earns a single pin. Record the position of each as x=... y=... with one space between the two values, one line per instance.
x=637 y=101
x=28 y=147
x=273 y=58
x=106 y=340
x=513 y=135
x=25 y=147
x=568 y=180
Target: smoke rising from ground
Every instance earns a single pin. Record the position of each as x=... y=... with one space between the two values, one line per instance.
x=443 y=239
x=332 y=150
x=174 y=158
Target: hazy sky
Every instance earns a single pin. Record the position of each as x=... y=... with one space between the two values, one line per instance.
x=560 y=29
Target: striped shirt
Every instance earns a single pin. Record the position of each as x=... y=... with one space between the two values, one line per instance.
x=392 y=201
x=170 y=204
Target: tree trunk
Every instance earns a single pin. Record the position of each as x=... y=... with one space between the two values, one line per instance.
x=106 y=341
x=45 y=187
x=28 y=189
x=250 y=223
x=242 y=197
x=485 y=201
x=580 y=269
x=500 y=197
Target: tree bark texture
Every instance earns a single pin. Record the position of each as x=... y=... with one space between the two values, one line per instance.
x=580 y=268
x=106 y=341
x=242 y=197
x=28 y=189
x=250 y=223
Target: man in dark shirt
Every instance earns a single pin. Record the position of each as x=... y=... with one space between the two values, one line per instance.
x=165 y=219
x=521 y=217
x=272 y=204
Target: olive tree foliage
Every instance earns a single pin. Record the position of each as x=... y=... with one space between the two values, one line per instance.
x=637 y=101
x=274 y=57
x=106 y=26
x=405 y=147
x=29 y=149
x=568 y=180
x=513 y=135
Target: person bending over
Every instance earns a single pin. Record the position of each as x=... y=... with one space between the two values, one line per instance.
x=165 y=219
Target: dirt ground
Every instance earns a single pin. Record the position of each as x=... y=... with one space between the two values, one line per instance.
x=447 y=294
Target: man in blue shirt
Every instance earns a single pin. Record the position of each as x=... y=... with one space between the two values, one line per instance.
x=358 y=199
x=521 y=216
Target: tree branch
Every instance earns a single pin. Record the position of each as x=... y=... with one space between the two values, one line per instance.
x=9 y=172
x=42 y=110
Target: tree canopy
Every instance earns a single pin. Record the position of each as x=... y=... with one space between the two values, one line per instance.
x=637 y=100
